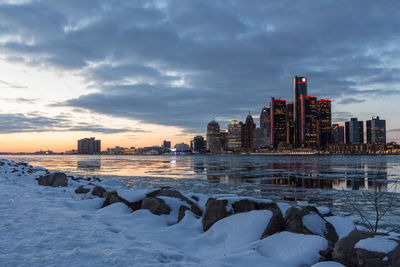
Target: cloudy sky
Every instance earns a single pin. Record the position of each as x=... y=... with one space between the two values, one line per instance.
x=133 y=73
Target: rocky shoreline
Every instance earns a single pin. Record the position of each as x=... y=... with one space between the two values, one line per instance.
x=346 y=245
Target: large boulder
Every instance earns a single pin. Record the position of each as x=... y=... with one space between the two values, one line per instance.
x=308 y=220
x=82 y=190
x=169 y=192
x=348 y=252
x=54 y=179
x=215 y=211
x=98 y=191
x=156 y=206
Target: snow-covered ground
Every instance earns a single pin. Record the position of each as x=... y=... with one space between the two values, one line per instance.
x=48 y=226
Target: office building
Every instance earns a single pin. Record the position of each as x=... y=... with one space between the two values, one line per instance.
x=214 y=144
x=234 y=138
x=290 y=122
x=199 y=144
x=278 y=121
x=337 y=134
x=354 y=130
x=182 y=147
x=265 y=118
x=376 y=131
x=299 y=89
x=89 y=146
x=261 y=139
x=309 y=121
x=324 y=122
x=166 y=144
x=247 y=133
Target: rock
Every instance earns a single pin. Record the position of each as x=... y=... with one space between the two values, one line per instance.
x=308 y=220
x=82 y=190
x=194 y=198
x=244 y=205
x=55 y=179
x=156 y=206
x=113 y=197
x=215 y=211
x=98 y=191
x=169 y=192
x=344 y=251
x=182 y=211
x=276 y=224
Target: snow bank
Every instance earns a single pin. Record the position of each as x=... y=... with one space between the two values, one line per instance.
x=342 y=225
x=383 y=244
x=292 y=248
x=328 y=264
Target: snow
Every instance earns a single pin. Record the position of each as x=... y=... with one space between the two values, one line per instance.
x=328 y=264
x=292 y=248
x=323 y=210
x=315 y=224
x=383 y=244
x=46 y=226
x=283 y=207
x=342 y=225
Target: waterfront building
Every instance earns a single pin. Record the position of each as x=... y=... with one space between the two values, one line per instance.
x=198 y=144
x=182 y=147
x=89 y=146
x=214 y=144
x=354 y=131
x=324 y=122
x=261 y=139
x=234 y=138
x=278 y=121
x=376 y=131
x=247 y=133
x=309 y=121
x=290 y=122
x=166 y=144
x=299 y=90
x=337 y=134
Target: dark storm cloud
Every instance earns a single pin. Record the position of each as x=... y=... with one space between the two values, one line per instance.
x=20 y=123
x=182 y=62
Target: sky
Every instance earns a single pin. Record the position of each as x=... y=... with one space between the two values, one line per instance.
x=133 y=73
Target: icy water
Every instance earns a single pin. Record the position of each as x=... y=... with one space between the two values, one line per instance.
x=323 y=180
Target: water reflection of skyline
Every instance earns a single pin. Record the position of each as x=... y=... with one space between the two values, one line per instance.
x=89 y=164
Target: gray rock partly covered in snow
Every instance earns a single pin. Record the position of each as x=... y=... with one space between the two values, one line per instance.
x=82 y=190
x=349 y=252
x=55 y=179
x=155 y=205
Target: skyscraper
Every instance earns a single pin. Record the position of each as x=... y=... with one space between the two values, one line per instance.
x=247 y=133
x=290 y=122
x=324 y=122
x=354 y=131
x=89 y=146
x=376 y=131
x=265 y=118
x=278 y=121
x=234 y=135
x=214 y=144
x=299 y=89
x=337 y=134
x=199 y=145
x=309 y=121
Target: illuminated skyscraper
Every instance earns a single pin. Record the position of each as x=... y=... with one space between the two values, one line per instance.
x=299 y=89
x=354 y=131
x=265 y=118
x=290 y=123
x=376 y=131
x=324 y=122
x=309 y=121
x=234 y=139
x=278 y=121
x=214 y=144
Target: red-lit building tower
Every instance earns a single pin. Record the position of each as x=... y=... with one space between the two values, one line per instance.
x=290 y=123
x=309 y=121
x=299 y=89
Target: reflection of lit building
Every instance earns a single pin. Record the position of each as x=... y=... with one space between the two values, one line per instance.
x=248 y=133
x=354 y=131
x=278 y=121
x=376 y=131
x=324 y=122
x=309 y=120
x=89 y=146
x=91 y=164
x=337 y=134
x=234 y=139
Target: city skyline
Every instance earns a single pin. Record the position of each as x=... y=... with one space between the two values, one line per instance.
x=134 y=74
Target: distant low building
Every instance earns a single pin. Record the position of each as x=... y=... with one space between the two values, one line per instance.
x=89 y=146
x=166 y=144
x=182 y=147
